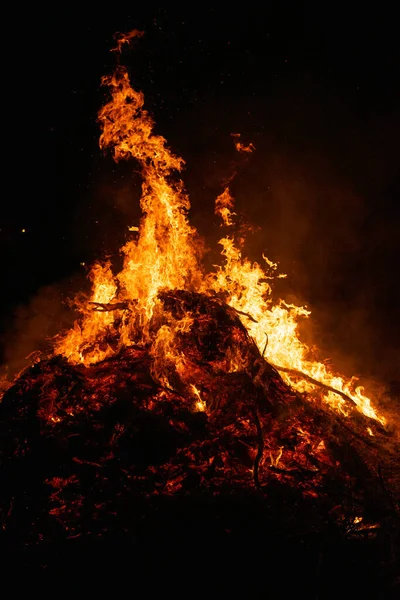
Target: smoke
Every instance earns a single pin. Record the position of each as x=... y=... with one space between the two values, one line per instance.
x=322 y=188
x=320 y=231
x=320 y=234
x=33 y=325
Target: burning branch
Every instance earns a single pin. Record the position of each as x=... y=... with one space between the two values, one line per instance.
x=324 y=386
x=99 y=306
x=245 y=314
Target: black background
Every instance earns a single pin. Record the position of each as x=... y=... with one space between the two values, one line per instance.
x=316 y=91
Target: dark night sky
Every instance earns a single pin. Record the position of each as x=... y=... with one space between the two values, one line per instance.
x=318 y=95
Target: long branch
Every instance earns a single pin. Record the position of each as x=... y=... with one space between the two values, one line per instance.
x=300 y=374
x=306 y=377
x=245 y=314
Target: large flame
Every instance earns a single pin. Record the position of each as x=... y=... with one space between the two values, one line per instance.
x=165 y=254
x=274 y=327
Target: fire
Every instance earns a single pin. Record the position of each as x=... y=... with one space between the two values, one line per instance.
x=223 y=206
x=200 y=403
x=77 y=343
x=275 y=460
x=165 y=253
x=240 y=147
x=125 y=38
x=248 y=290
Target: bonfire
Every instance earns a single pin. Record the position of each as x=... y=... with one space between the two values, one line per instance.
x=177 y=383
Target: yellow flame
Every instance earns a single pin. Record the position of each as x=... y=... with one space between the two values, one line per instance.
x=275 y=459
x=166 y=255
x=249 y=291
x=200 y=404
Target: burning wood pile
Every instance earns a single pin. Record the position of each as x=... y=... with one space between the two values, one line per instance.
x=176 y=383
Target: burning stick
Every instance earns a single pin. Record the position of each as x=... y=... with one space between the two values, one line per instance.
x=300 y=374
x=245 y=314
x=324 y=386
x=99 y=306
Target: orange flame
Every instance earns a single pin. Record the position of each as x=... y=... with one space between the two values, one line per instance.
x=223 y=206
x=249 y=292
x=166 y=255
x=240 y=147
x=125 y=38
